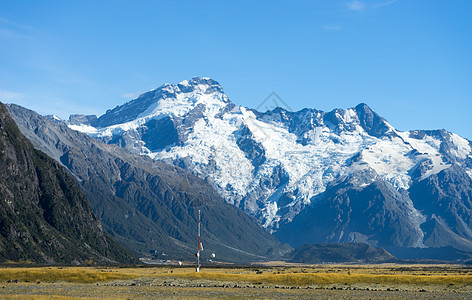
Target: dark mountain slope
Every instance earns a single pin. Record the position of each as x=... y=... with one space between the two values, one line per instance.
x=147 y=204
x=44 y=217
x=376 y=214
x=447 y=196
x=340 y=253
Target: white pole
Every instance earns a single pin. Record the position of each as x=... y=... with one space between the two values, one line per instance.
x=198 y=244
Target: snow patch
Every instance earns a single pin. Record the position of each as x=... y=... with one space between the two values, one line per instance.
x=428 y=148
x=462 y=149
x=84 y=128
x=390 y=161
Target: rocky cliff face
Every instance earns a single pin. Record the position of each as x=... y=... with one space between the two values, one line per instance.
x=146 y=204
x=44 y=217
x=307 y=176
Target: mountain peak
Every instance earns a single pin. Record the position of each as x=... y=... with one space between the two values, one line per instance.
x=203 y=80
x=363 y=107
x=372 y=123
x=187 y=89
x=202 y=84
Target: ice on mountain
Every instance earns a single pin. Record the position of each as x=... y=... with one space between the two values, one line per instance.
x=184 y=82
x=84 y=128
x=462 y=147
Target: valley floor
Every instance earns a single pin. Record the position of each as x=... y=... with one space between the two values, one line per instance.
x=274 y=282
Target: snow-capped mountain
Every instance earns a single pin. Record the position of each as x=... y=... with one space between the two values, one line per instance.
x=308 y=176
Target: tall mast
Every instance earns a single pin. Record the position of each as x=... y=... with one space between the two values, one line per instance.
x=199 y=245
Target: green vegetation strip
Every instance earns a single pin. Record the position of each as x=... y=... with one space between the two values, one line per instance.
x=327 y=278
x=74 y=275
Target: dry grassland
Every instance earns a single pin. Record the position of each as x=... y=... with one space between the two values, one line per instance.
x=261 y=282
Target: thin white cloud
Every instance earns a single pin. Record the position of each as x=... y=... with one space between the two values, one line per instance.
x=11 y=34
x=383 y=4
x=15 y=25
x=12 y=30
x=9 y=96
x=130 y=96
x=356 y=5
x=331 y=27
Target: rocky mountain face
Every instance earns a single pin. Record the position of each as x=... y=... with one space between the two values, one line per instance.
x=308 y=176
x=44 y=217
x=146 y=204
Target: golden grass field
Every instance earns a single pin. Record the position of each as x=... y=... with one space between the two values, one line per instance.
x=386 y=281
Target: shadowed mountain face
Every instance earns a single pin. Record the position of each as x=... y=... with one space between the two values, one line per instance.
x=308 y=176
x=145 y=204
x=340 y=253
x=44 y=217
x=377 y=214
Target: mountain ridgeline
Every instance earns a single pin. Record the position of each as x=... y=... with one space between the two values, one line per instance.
x=308 y=176
x=147 y=205
x=44 y=217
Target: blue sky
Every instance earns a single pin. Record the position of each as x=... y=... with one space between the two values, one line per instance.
x=410 y=60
